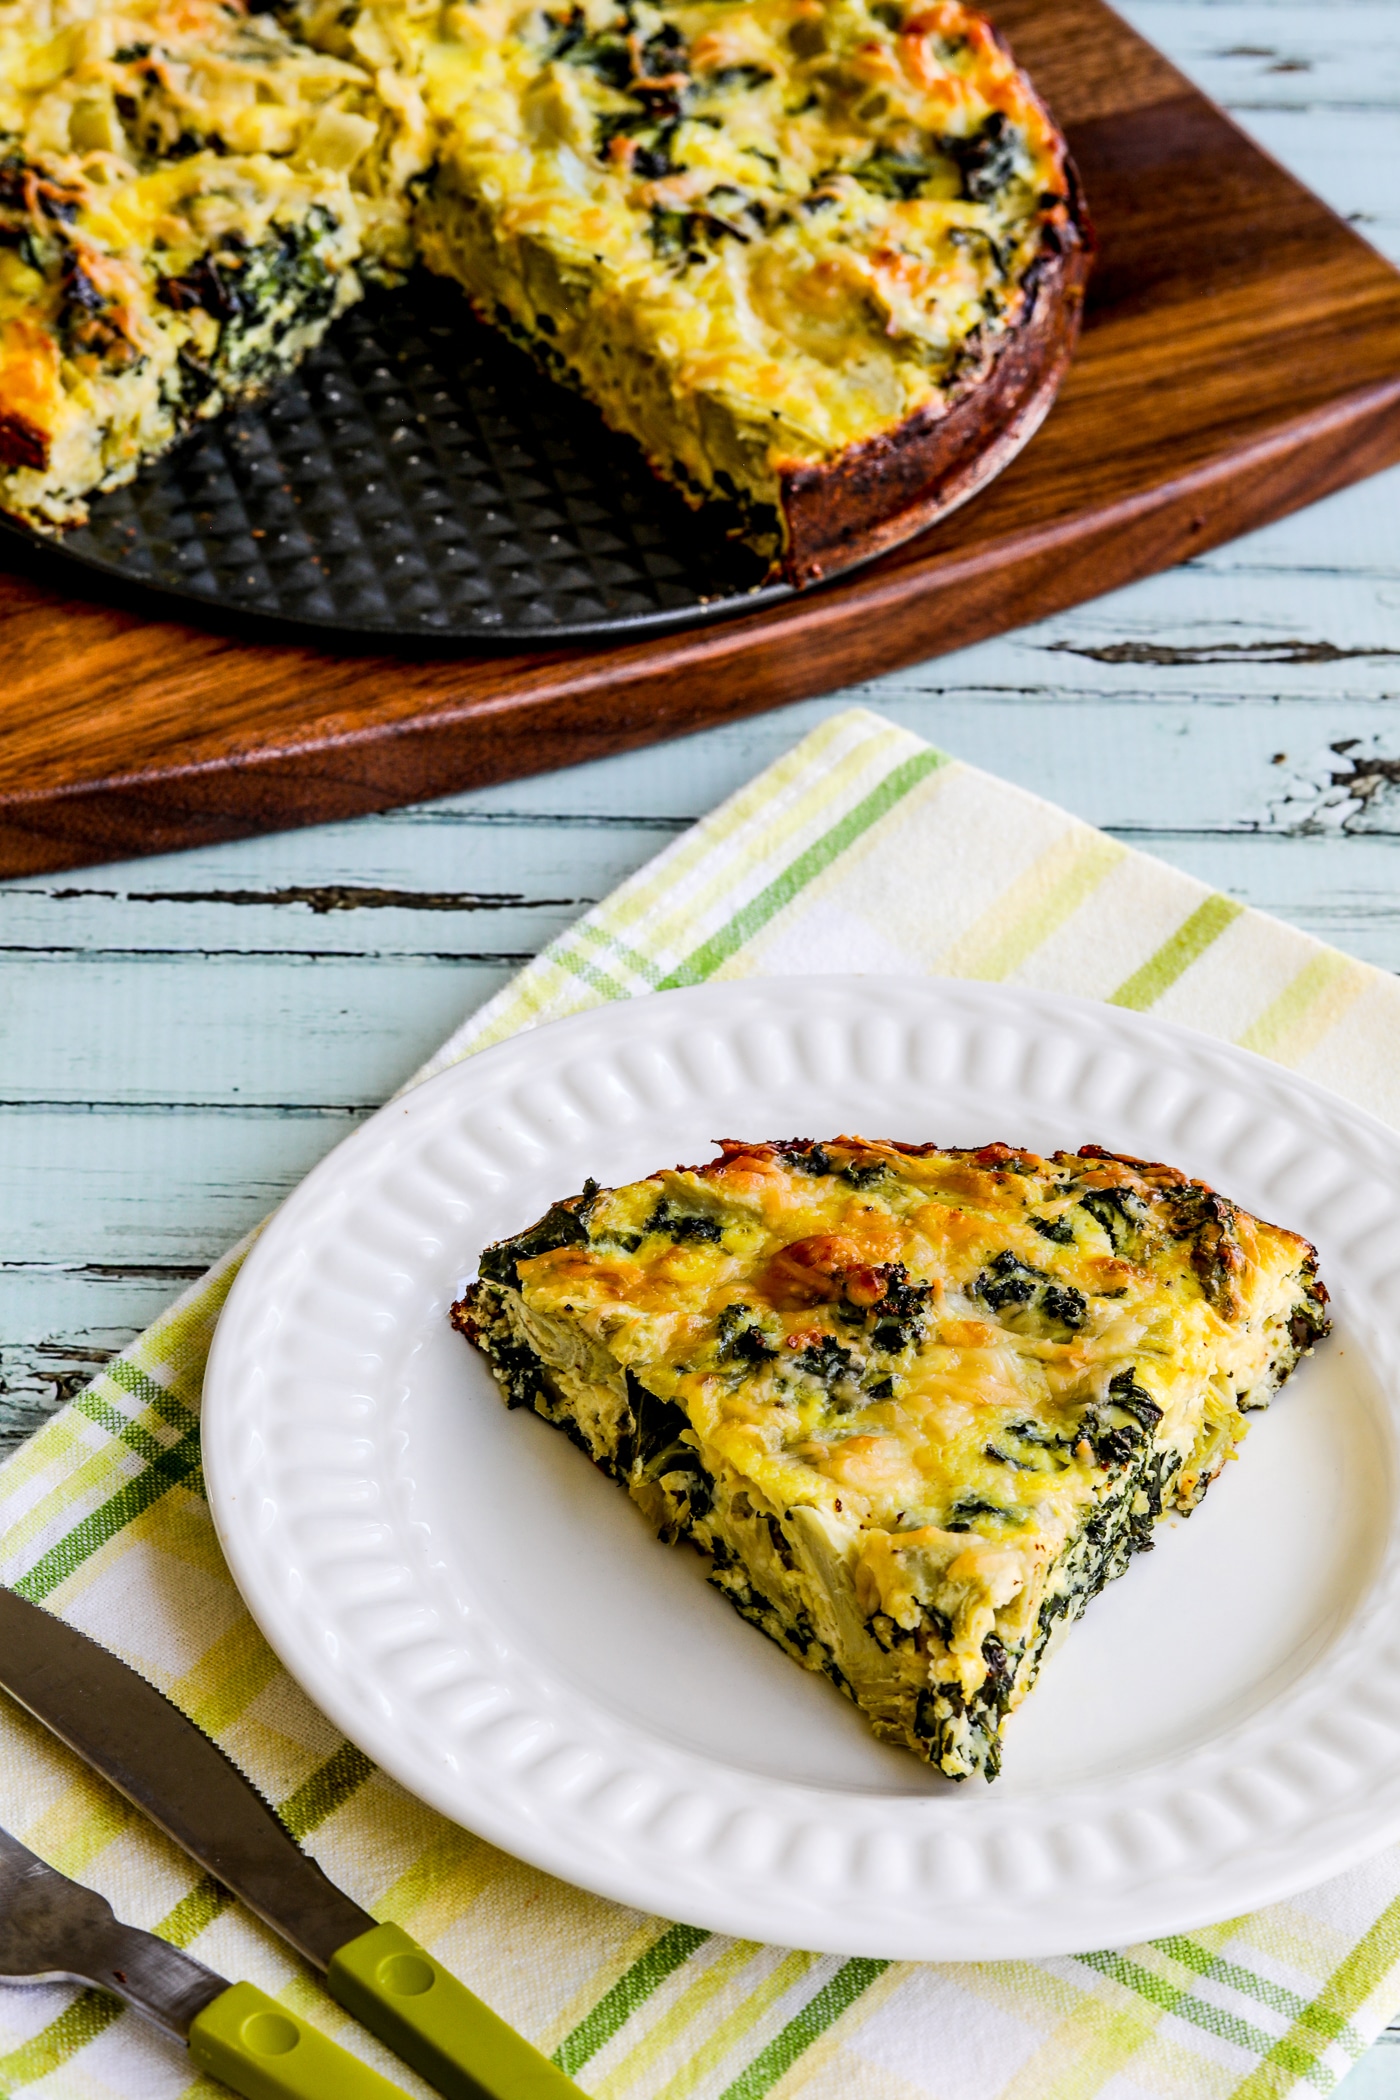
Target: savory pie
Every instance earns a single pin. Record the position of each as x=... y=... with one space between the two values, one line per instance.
x=822 y=259
x=184 y=194
x=917 y=1406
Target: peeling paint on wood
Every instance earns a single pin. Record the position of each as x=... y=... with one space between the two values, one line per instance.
x=1351 y=788
x=1266 y=652
x=338 y=896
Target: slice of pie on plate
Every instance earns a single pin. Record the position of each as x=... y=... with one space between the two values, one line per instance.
x=917 y=1405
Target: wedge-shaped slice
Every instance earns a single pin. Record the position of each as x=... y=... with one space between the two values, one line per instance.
x=918 y=1406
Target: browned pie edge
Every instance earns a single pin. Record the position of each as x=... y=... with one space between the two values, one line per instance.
x=886 y=489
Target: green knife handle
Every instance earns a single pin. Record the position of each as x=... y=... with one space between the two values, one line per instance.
x=267 y=2053
x=396 y=1989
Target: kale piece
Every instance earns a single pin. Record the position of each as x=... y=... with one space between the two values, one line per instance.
x=897 y=175
x=902 y=1300
x=1009 y=1281
x=1308 y=1324
x=741 y=1338
x=1114 y=1448
x=662 y=55
x=987 y=161
x=563 y=1225
x=968 y=1506
x=996 y=1689
x=653 y=161
x=806 y=1157
x=899 y=1314
x=1008 y=1284
x=519 y=1370
x=1116 y=1443
x=1134 y=1399
x=21 y=241
x=1121 y=1212
x=690 y=236
x=683 y=1224
x=863 y=1176
x=606 y=56
x=660 y=1444
x=1064 y=1303
x=827 y=1360
x=566 y=32
x=1057 y=1229
x=197 y=382
x=1004 y=1458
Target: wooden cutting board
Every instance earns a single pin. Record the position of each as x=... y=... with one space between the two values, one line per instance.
x=1241 y=357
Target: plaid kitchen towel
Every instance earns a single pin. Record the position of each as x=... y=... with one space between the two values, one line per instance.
x=862 y=849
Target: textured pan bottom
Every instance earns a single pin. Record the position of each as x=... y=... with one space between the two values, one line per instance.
x=418 y=478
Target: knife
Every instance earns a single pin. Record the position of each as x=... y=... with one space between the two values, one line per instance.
x=54 y=1930
x=155 y=1755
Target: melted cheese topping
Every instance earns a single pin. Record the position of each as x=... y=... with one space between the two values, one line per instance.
x=104 y=95
x=950 y=1362
x=756 y=234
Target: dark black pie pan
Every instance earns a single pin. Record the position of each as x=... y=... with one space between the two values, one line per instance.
x=417 y=480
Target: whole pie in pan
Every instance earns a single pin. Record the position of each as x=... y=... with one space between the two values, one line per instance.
x=917 y=1406
x=822 y=259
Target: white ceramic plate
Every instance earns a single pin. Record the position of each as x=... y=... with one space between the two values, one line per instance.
x=487 y=1616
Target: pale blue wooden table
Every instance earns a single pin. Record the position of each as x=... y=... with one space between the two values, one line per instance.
x=180 y=1039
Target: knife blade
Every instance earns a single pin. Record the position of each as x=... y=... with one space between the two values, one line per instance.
x=168 y=1768
x=55 y=1930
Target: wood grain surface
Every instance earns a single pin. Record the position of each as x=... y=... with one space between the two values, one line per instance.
x=1241 y=356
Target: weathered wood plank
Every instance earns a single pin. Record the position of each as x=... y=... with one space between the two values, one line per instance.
x=1280 y=53
x=231 y=1034
x=166 y=1189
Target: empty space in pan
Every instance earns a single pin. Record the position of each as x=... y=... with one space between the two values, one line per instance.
x=418 y=477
